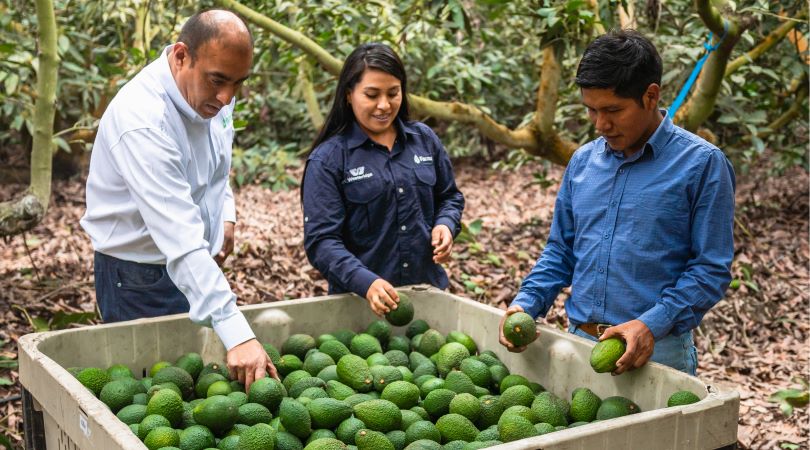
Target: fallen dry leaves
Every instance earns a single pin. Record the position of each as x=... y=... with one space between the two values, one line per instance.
x=756 y=339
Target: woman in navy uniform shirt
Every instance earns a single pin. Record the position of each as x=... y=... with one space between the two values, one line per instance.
x=381 y=206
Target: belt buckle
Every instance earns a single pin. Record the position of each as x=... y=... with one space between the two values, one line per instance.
x=600 y=329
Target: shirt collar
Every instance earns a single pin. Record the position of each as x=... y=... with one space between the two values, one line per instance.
x=170 y=85
x=656 y=143
x=357 y=136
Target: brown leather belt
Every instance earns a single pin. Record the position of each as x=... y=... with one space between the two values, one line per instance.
x=594 y=329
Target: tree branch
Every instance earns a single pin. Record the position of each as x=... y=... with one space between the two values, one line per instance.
x=627 y=18
x=791 y=114
x=27 y=211
x=307 y=92
x=329 y=62
x=701 y=103
x=544 y=143
x=767 y=43
x=597 y=24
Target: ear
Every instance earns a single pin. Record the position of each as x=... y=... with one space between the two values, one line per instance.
x=349 y=98
x=651 y=96
x=181 y=54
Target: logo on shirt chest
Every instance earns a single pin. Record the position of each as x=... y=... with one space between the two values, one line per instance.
x=358 y=173
x=422 y=159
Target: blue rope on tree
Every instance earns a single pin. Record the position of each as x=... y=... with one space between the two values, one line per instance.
x=696 y=71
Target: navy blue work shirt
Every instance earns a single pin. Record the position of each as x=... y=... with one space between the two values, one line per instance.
x=369 y=213
x=649 y=237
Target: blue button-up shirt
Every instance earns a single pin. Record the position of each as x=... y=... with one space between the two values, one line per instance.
x=369 y=213
x=649 y=237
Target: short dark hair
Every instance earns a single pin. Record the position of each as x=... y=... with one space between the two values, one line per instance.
x=367 y=56
x=200 y=28
x=622 y=60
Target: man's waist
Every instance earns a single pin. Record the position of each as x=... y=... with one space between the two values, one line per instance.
x=596 y=329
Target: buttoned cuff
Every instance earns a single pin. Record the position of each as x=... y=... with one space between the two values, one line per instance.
x=451 y=225
x=229 y=211
x=361 y=281
x=528 y=304
x=233 y=330
x=657 y=320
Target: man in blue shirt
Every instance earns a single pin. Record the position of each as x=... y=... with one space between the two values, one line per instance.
x=643 y=223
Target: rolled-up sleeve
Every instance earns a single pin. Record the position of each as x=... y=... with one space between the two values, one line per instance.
x=324 y=215
x=151 y=166
x=708 y=273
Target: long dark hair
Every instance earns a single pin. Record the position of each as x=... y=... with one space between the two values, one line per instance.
x=367 y=56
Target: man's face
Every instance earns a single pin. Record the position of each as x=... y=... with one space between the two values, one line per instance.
x=211 y=80
x=625 y=124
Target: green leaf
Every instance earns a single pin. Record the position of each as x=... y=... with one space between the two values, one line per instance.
x=5 y=442
x=11 y=82
x=493 y=259
x=8 y=363
x=475 y=227
x=62 y=320
x=786 y=408
x=39 y=324
x=5 y=381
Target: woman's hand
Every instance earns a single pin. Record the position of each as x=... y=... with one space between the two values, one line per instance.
x=382 y=297
x=442 y=241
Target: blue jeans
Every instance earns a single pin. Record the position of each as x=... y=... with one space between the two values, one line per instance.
x=678 y=352
x=127 y=290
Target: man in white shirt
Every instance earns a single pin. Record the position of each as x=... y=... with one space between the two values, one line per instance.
x=160 y=212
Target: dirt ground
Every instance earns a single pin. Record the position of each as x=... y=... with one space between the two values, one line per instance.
x=755 y=340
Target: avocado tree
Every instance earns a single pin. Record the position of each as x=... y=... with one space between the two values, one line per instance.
x=563 y=29
x=26 y=211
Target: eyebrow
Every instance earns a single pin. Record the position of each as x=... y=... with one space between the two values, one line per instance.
x=374 y=88
x=604 y=107
x=225 y=77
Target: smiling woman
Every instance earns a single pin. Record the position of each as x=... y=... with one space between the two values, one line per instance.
x=381 y=206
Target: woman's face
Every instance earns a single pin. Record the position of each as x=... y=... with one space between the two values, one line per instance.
x=375 y=101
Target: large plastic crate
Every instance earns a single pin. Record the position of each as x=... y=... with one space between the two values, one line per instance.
x=72 y=418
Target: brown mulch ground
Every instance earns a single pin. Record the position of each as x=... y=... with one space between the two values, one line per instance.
x=756 y=339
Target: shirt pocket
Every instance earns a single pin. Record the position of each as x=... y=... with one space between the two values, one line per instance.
x=661 y=220
x=424 y=181
x=361 y=200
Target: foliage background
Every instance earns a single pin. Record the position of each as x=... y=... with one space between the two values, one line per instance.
x=485 y=52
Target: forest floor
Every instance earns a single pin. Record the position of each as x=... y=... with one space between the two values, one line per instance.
x=755 y=340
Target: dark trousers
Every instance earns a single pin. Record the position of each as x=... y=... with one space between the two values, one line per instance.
x=127 y=290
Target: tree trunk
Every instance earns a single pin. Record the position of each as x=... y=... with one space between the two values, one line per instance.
x=27 y=211
x=701 y=102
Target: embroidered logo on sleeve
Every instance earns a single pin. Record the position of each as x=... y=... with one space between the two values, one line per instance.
x=420 y=159
x=358 y=173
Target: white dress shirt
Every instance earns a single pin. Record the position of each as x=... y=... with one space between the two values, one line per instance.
x=158 y=192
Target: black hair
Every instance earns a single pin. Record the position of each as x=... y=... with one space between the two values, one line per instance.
x=622 y=60
x=201 y=28
x=367 y=56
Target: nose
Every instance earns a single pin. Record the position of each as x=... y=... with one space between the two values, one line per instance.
x=225 y=94
x=601 y=123
x=383 y=103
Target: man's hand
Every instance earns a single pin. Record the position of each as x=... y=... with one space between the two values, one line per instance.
x=640 y=344
x=382 y=297
x=227 y=244
x=502 y=339
x=248 y=362
x=441 y=238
